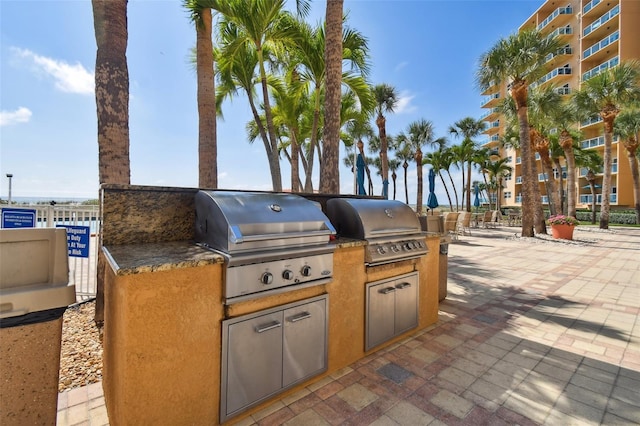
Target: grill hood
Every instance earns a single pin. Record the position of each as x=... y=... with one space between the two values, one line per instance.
x=239 y=222
x=368 y=219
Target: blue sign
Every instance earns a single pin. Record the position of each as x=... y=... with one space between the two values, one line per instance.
x=18 y=218
x=77 y=240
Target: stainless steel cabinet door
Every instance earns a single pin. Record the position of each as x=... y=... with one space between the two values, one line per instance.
x=380 y=313
x=305 y=341
x=254 y=360
x=406 y=314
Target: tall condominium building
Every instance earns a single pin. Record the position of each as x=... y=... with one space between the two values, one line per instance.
x=596 y=35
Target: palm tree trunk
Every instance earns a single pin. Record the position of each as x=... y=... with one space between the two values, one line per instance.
x=274 y=160
x=384 y=162
x=538 y=213
x=605 y=204
x=469 y=164
x=406 y=186
x=112 y=90
x=420 y=183
x=308 y=186
x=393 y=177
x=519 y=93
x=455 y=192
x=329 y=166
x=295 y=163
x=631 y=149
x=112 y=104
x=444 y=185
x=207 y=145
x=554 y=203
x=560 y=197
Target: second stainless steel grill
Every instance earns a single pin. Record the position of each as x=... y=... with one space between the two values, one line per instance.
x=272 y=242
x=391 y=228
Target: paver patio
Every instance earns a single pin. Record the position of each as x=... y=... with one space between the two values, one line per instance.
x=532 y=332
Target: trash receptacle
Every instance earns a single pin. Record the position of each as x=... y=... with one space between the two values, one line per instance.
x=34 y=293
x=443 y=267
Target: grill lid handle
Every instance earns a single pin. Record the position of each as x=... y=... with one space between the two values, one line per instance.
x=237 y=237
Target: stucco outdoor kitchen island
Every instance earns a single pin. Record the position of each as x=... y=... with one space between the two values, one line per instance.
x=164 y=314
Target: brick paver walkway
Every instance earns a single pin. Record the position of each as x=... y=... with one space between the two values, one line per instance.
x=532 y=332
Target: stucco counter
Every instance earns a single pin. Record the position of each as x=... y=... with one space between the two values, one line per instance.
x=163 y=315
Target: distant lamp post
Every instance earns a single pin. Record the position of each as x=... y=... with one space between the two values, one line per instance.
x=9 y=175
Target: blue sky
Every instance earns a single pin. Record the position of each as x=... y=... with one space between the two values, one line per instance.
x=427 y=49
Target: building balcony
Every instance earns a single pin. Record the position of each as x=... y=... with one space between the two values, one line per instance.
x=563 y=31
x=595 y=142
x=567 y=11
x=597 y=28
x=558 y=72
x=490 y=101
x=490 y=115
x=591 y=121
x=595 y=7
x=563 y=90
x=597 y=47
x=588 y=198
x=567 y=50
x=603 y=66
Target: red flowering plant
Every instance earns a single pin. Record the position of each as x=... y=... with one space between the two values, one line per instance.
x=561 y=219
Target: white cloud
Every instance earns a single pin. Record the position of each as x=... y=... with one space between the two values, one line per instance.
x=21 y=115
x=401 y=65
x=68 y=78
x=404 y=103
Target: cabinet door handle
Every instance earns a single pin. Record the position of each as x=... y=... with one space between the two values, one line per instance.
x=267 y=327
x=386 y=290
x=299 y=317
x=403 y=285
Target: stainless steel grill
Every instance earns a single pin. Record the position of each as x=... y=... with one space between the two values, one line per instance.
x=271 y=242
x=391 y=228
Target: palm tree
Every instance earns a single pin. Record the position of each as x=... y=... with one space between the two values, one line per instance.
x=467 y=128
x=419 y=134
x=206 y=94
x=437 y=161
x=547 y=111
x=606 y=95
x=112 y=104
x=262 y=26
x=112 y=90
x=329 y=170
x=497 y=170
x=521 y=60
x=290 y=103
x=405 y=155
x=310 y=48
x=394 y=163
x=627 y=128
x=592 y=162
x=386 y=100
x=357 y=127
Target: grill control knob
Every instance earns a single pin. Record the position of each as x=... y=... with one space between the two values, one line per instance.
x=381 y=250
x=306 y=270
x=287 y=274
x=266 y=278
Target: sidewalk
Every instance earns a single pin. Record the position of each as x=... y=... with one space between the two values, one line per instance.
x=532 y=332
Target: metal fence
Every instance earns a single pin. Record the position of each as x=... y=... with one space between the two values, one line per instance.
x=82 y=270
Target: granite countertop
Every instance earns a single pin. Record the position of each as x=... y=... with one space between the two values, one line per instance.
x=129 y=259
x=139 y=258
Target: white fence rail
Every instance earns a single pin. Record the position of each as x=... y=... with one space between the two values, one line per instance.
x=82 y=270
